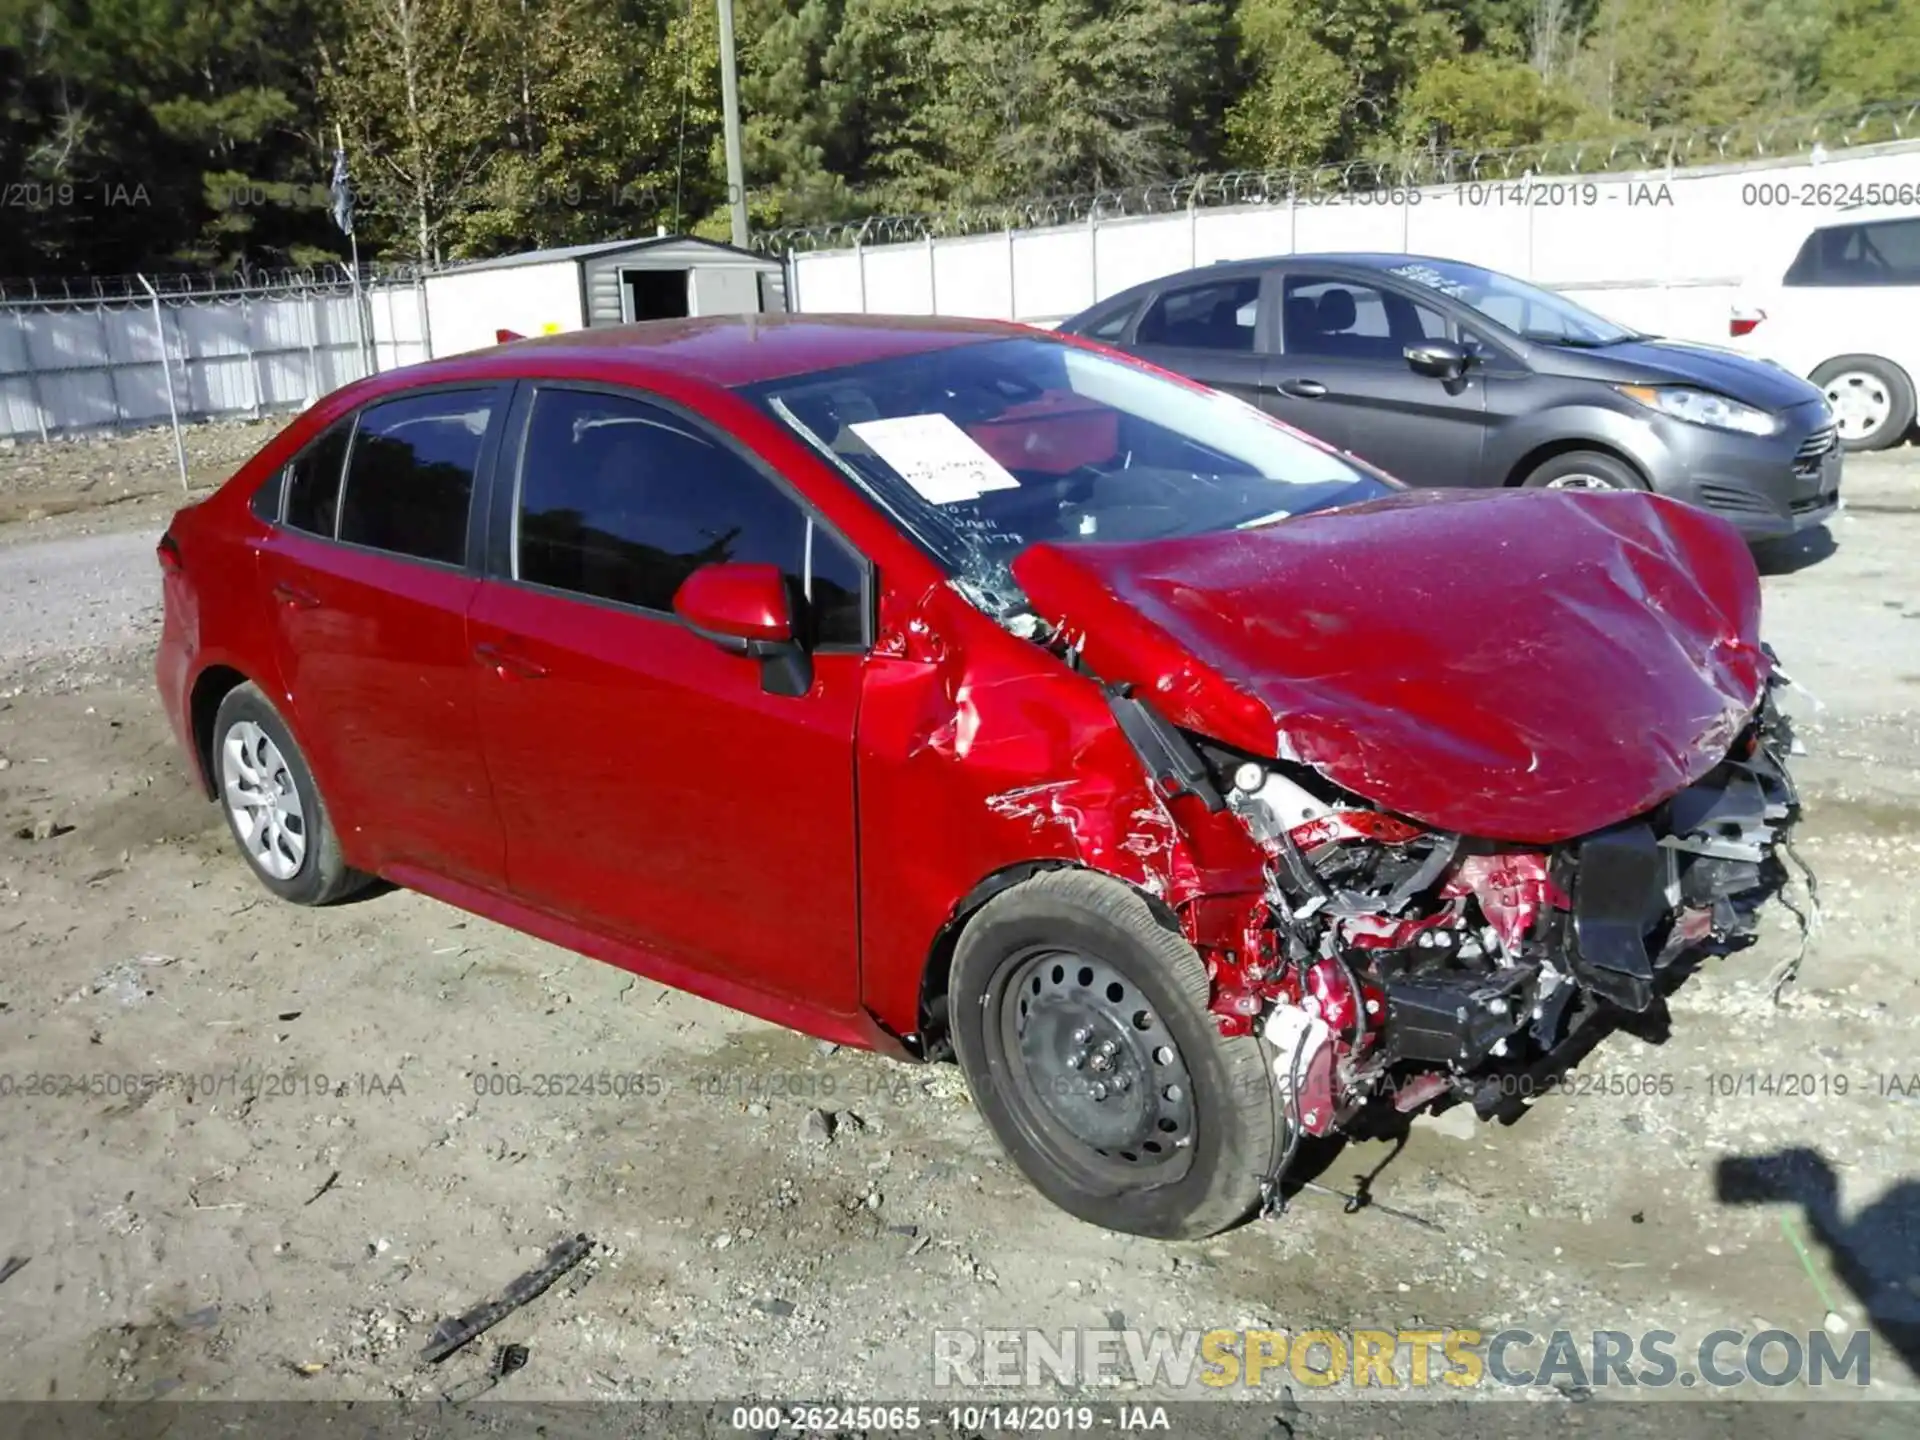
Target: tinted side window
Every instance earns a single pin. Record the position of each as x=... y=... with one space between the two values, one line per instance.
x=622 y=500
x=313 y=481
x=1881 y=253
x=410 y=476
x=1216 y=316
x=1348 y=320
x=1111 y=327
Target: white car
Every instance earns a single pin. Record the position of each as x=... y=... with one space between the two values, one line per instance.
x=1845 y=312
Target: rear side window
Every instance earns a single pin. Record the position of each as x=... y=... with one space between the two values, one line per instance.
x=1111 y=327
x=410 y=476
x=621 y=500
x=1216 y=316
x=313 y=481
x=1845 y=256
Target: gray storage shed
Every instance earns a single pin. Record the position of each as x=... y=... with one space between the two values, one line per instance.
x=608 y=283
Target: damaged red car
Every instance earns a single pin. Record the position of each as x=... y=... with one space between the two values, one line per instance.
x=951 y=688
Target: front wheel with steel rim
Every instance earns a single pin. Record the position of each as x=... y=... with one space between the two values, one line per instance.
x=1081 y=1021
x=1584 y=470
x=1871 y=398
x=272 y=805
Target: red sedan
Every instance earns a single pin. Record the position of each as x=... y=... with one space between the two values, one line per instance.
x=953 y=688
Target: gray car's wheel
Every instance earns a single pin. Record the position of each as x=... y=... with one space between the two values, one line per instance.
x=1872 y=400
x=1584 y=470
x=272 y=805
x=1082 y=1025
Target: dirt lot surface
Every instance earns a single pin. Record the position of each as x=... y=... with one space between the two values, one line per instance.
x=376 y=1115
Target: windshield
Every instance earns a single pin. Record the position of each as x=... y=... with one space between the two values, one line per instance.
x=1526 y=310
x=982 y=450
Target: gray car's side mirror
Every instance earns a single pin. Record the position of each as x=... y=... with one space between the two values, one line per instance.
x=1442 y=359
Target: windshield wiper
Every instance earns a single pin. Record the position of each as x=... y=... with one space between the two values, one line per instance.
x=1581 y=342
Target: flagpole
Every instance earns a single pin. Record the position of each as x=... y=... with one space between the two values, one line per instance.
x=369 y=352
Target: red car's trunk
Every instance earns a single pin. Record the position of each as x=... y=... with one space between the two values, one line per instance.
x=1530 y=669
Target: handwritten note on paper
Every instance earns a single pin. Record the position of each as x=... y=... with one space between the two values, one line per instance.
x=936 y=457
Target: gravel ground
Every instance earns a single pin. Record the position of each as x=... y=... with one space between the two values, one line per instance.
x=266 y=1233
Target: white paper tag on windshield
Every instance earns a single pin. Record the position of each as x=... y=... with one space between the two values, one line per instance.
x=936 y=457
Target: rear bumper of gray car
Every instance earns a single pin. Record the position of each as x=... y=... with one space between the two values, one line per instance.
x=1767 y=486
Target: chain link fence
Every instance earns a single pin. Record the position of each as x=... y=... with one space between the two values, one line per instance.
x=81 y=355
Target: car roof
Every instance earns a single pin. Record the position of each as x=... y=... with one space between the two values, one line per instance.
x=1255 y=264
x=724 y=350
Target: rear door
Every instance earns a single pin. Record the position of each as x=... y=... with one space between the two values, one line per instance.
x=652 y=789
x=1342 y=374
x=1210 y=329
x=369 y=579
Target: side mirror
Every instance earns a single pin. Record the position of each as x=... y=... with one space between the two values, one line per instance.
x=748 y=609
x=1442 y=359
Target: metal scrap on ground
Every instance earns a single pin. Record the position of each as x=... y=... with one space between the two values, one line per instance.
x=450 y=1335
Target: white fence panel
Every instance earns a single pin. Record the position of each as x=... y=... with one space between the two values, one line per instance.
x=1669 y=249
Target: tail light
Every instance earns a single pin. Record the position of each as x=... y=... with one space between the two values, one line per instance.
x=168 y=552
x=1745 y=324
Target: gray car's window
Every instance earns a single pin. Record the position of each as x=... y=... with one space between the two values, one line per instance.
x=1216 y=316
x=1348 y=320
x=622 y=500
x=1112 y=327
x=409 y=479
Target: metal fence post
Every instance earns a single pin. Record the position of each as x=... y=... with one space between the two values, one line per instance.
x=426 y=315
x=309 y=315
x=860 y=269
x=1093 y=255
x=1013 y=280
x=253 y=367
x=933 y=279
x=166 y=372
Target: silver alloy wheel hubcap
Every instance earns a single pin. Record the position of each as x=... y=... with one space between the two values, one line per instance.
x=263 y=800
x=1860 y=403
x=1580 y=480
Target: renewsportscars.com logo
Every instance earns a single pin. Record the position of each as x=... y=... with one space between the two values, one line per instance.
x=1404 y=1360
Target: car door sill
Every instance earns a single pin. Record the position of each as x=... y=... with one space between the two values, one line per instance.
x=858 y=1029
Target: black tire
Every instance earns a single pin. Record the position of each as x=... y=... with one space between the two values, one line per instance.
x=1225 y=1127
x=1895 y=391
x=322 y=875
x=1609 y=472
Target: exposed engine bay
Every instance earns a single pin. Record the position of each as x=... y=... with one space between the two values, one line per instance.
x=1389 y=963
x=1392 y=964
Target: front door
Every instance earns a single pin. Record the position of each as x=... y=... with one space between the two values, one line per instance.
x=1208 y=331
x=1342 y=374
x=652 y=789
x=368 y=579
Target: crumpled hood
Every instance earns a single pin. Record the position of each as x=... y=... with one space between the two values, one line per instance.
x=1517 y=666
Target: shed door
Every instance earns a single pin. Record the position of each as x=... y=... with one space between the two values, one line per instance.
x=725 y=290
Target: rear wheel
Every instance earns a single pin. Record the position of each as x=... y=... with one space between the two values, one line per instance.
x=1872 y=400
x=1584 y=470
x=1082 y=1025
x=273 y=806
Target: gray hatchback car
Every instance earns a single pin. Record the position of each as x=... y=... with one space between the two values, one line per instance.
x=1442 y=373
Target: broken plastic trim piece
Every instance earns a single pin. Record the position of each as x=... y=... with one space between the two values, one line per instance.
x=1173 y=765
x=450 y=1335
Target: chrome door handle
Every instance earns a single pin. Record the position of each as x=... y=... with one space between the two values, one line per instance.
x=296 y=597
x=1305 y=389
